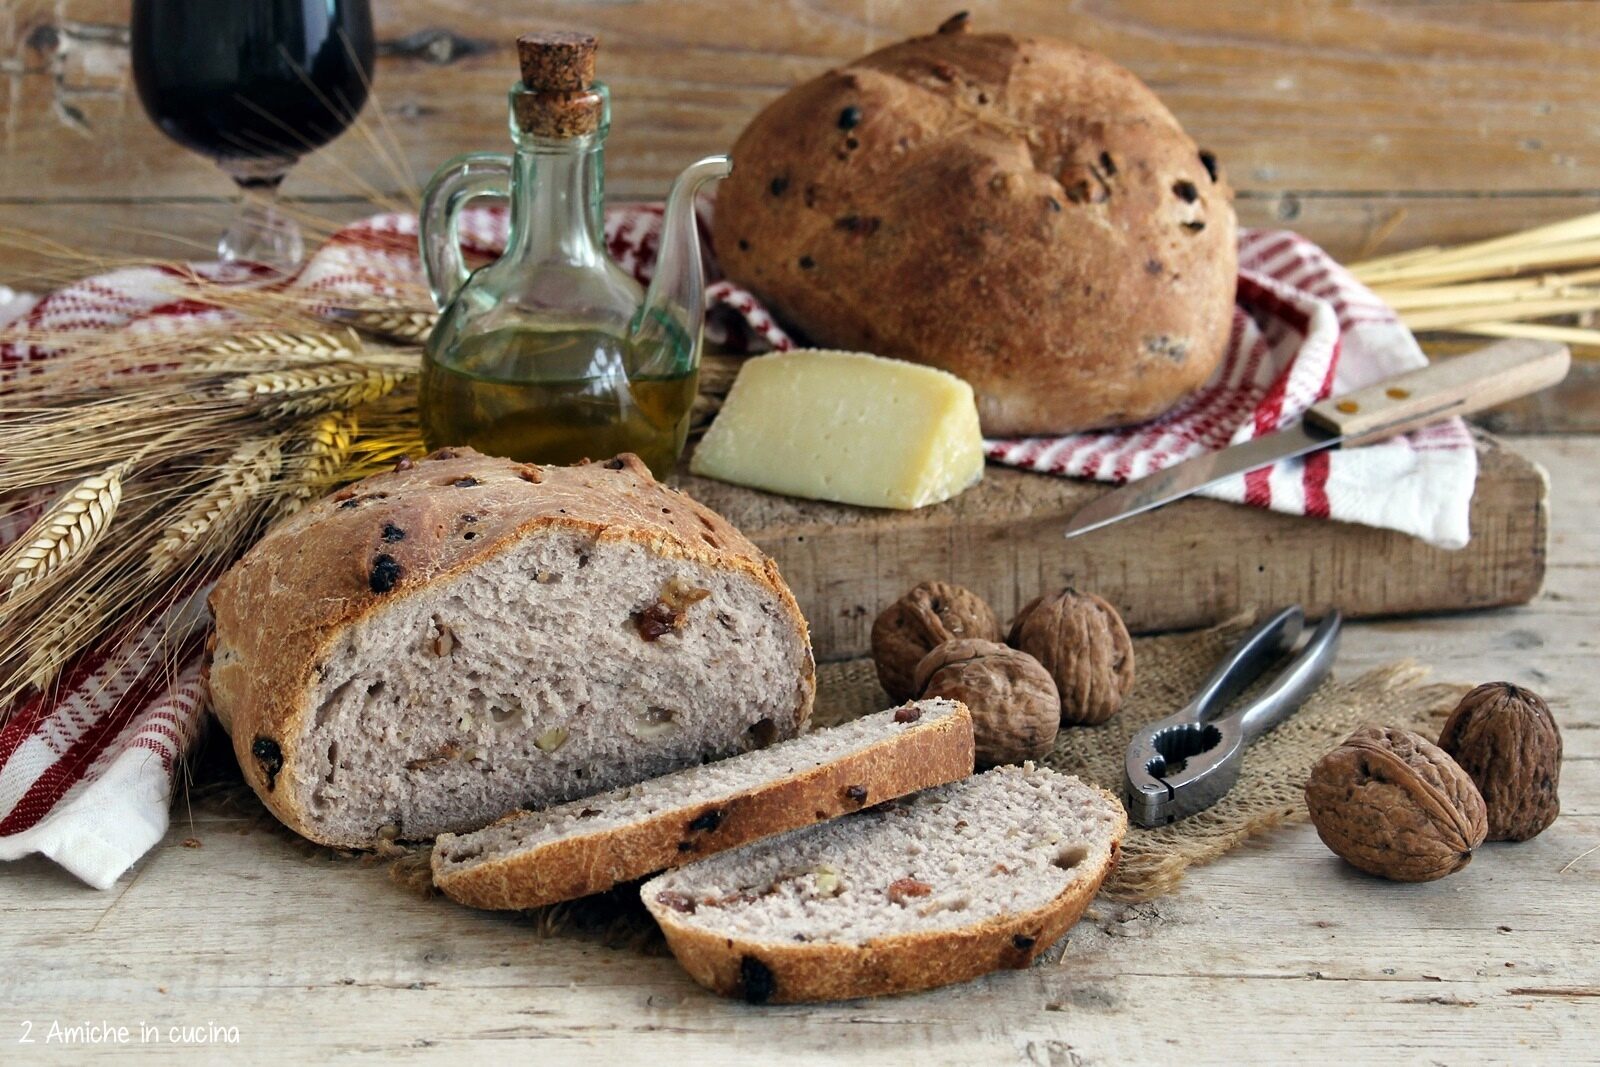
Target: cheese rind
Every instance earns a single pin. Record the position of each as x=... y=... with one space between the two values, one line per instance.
x=846 y=427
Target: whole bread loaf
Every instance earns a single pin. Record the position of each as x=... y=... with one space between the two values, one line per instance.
x=429 y=649
x=1015 y=210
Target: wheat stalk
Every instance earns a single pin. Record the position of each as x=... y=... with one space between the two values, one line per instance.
x=216 y=451
x=60 y=633
x=1499 y=287
x=67 y=531
x=219 y=510
x=309 y=390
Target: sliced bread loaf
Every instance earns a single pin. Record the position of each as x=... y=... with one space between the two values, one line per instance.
x=587 y=846
x=936 y=888
x=431 y=648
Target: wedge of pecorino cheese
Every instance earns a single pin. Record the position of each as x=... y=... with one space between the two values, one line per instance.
x=847 y=427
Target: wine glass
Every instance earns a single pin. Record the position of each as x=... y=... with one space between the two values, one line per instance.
x=254 y=84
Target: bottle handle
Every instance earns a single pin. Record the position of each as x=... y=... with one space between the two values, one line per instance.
x=438 y=224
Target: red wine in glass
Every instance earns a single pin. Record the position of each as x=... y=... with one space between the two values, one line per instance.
x=254 y=84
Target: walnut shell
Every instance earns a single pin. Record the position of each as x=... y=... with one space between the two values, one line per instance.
x=1015 y=709
x=1506 y=740
x=1395 y=805
x=929 y=615
x=1082 y=642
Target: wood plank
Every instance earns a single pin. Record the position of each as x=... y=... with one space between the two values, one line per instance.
x=1314 y=96
x=1190 y=564
x=1353 y=226
x=1571 y=407
x=1276 y=946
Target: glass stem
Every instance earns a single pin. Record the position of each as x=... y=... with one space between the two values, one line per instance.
x=261 y=234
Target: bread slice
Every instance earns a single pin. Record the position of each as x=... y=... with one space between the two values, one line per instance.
x=433 y=647
x=587 y=846
x=936 y=888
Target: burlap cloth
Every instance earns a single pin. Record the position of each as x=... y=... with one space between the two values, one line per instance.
x=1169 y=669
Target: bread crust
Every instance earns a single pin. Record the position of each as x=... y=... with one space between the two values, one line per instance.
x=279 y=610
x=898 y=764
x=786 y=972
x=1018 y=211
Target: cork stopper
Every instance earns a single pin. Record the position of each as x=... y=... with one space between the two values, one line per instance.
x=557 y=62
x=557 y=97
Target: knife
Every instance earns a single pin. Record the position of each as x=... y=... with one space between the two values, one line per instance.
x=1455 y=386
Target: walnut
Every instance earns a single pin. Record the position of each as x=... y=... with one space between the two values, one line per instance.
x=1082 y=642
x=1396 y=806
x=1504 y=737
x=1015 y=709
x=931 y=614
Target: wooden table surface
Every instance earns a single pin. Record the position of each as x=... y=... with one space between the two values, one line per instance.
x=1367 y=125
x=1277 y=952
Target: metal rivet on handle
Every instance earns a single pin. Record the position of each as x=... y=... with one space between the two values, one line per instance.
x=1349 y=407
x=1394 y=392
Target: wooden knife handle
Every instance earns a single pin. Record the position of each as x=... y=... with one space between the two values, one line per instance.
x=1458 y=385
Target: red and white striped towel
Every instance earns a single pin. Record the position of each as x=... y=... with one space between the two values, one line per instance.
x=87 y=770
x=1303 y=330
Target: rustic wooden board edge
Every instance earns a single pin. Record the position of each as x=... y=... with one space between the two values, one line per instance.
x=1191 y=564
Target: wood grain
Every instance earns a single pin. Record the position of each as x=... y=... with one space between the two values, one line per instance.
x=1276 y=947
x=1468 y=116
x=1366 y=126
x=1192 y=563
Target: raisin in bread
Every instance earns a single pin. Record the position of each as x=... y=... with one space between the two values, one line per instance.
x=431 y=648
x=937 y=888
x=587 y=846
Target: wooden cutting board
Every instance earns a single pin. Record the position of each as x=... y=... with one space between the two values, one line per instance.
x=1190 y=564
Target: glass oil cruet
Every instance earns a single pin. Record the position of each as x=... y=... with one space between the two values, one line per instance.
x=553 y=353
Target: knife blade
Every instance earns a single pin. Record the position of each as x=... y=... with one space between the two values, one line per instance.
x=1456 y=386
x=1165 y=486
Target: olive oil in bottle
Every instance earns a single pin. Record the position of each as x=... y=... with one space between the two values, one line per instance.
x=554 y=396
x=553 y=353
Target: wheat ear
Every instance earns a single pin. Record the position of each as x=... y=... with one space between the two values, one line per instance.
x=284 y=347
x=318 y=457
x=407 y=327
x=67 y=531
x=308 y=390
x=217 y=511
